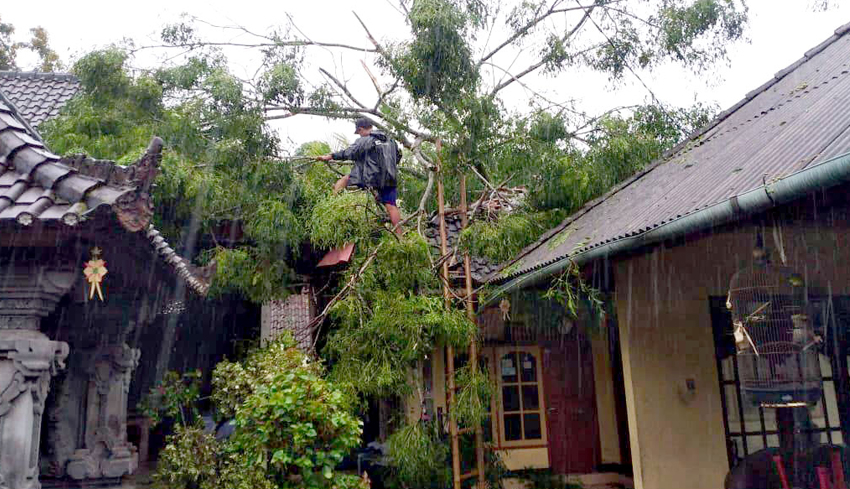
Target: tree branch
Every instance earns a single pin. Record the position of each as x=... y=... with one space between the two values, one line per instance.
x=343 y=88
x=317 y=321
x=293 y=43
x=540 y=63
x=378 y=47
x=534 y=22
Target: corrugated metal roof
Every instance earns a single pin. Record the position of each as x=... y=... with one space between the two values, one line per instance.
x=38 y=96
x=795 y=120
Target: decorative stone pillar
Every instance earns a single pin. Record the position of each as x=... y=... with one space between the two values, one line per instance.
x=27 y=361
x=106 y=453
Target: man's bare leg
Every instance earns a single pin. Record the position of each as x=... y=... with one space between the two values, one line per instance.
x=395 y=217
x=341 y=183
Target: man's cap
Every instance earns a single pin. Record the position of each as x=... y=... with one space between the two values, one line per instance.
x=361 y=122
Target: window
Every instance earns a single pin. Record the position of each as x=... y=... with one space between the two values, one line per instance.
x=521 y=412
x=750 y=428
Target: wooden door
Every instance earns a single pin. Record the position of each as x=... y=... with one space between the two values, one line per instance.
x=571 y=407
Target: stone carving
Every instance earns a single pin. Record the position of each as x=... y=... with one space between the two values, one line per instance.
x=62 y=421
x=27 y=361
x=30 y=293
x=135 y=209
x=106 y=453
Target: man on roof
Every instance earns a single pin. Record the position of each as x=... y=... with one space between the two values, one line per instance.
x=375 y=158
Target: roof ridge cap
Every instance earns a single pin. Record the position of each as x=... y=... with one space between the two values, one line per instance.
x=40 y=74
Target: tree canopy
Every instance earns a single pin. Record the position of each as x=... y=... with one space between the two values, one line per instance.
x=38 y=44
x=447 y=85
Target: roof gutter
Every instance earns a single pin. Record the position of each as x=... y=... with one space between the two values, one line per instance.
x=827 y=174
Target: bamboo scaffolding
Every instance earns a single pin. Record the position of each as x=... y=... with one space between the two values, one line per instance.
x=473 y=345
x=450 y=354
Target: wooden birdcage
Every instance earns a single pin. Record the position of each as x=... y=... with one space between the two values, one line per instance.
x=777 y=344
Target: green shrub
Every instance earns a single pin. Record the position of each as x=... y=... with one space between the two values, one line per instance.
x=292 y=428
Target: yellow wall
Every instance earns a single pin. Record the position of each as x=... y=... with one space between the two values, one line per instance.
x=666 y=338
x=525 y=458
x=603 y=378
x=677 y=438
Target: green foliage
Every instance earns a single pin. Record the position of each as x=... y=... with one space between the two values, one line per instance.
x=39 y=44
x=348 y=217
x=292 y=428
x=392 y=317
x=189 y=460
x=219 y=163
x=401 y=266
x=472 y=402
x=377 y=341
x=174 y=396
x=692 y=33
x=501 y=240
x=417 y=458
x=436 y=65
x=572 y=291
x=246 y=269
x=544 y=479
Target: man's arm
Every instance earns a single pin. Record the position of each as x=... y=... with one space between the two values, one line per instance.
x=350 y=153
x=355 y=151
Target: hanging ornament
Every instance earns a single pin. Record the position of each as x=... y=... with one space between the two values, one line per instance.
x=505 y=307
x=94 y=271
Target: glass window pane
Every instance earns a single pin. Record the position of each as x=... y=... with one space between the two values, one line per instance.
x=837 y=439
x=510 y=398
x=528 y=367
x=513 y=427
x=732 y=414
x=770 y=421
x=427 y=376
x=831 y=404
x=825 y=365
x=530 y=398
x=773 y=441
x=532 y=427
x=755 y=443
x=508 y=367
x=487 y=430
x=727 y=369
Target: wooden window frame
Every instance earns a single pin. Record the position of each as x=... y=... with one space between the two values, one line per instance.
x=497 y=411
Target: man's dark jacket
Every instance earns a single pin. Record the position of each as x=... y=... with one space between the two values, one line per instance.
x=365 y=153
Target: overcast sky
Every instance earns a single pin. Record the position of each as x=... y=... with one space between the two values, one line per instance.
x=780 y=31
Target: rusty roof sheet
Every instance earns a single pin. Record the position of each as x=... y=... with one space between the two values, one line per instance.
x=38 y=186
x=38 y=96
x=795 y=120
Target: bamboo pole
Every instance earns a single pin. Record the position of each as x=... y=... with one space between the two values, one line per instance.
x=450 y=354
x=473 y=345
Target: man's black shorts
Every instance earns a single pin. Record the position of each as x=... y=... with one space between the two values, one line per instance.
x=387 y=195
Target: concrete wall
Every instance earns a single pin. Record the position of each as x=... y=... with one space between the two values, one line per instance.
x=677 y=435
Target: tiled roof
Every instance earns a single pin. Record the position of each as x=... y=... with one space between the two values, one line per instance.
x=481 y=267
x=794 y=121
x=37 y=186
x=38 y=96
